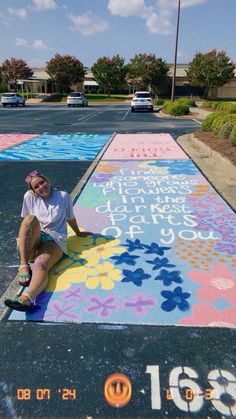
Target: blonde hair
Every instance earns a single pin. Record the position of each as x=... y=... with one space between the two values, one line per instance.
x=42 y=177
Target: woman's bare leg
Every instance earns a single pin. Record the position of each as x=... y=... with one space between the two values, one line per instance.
x=28 y=239
x=48 y=254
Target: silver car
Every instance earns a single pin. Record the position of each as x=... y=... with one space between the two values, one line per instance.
x=12 y=99
x=141 y=100
x=77 y=99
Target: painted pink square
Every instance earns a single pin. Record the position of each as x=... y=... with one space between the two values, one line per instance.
x=144 y=146
x=9 y=140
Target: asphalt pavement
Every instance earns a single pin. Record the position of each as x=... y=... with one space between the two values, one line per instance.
x=59 y=119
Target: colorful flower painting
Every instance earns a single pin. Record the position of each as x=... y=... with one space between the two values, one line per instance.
x=162 y=250
x=219 y=282
x=206 y=315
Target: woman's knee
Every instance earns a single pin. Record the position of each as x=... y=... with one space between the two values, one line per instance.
x=30 y=220
x=41 y=263
x=30 y=224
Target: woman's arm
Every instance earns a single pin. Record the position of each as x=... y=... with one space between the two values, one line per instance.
x=73 y=224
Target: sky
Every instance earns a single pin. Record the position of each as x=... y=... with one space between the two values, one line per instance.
x=35 y=30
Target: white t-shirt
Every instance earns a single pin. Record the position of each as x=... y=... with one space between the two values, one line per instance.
x=52 y=214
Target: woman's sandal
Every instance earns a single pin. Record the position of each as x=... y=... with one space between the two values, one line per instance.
x=19 y=304
x=25 y=276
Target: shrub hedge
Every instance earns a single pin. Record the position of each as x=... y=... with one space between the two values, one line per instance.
x=232 y=136
x=208 y=121
x=220 y=106
x=188 y=101
x=176 y=108
x=207 y=104
x=226 y=130
x=219 y=122
x=160 y=102
x=226 y=107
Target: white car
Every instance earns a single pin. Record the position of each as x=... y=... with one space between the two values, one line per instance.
x=77 y=99
x=12 y=99
x=141 y=100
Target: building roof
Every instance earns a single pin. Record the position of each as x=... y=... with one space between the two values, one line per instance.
x=39 y=74
x=90 y=83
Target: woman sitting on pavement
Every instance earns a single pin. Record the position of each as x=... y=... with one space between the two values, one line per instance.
x=42 y=237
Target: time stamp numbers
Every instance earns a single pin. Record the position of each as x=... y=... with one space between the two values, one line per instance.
x=183 y=390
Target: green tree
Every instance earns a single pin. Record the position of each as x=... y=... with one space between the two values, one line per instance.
x=109 y=73
x=149 y=72
x=213 y=69
x=65 y=70
x=14 y=69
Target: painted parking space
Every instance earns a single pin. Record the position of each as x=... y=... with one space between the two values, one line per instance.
x=57 y=147
x=144 y=146
x=10 y=140
x=162 y=250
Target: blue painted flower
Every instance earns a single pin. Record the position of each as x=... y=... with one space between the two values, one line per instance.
x=155 y=248
x=133 y=245
x=176 y=298
x=125 y=258
x=136 y=277
x=160 y=263
x=167 y=277
x=179 y=167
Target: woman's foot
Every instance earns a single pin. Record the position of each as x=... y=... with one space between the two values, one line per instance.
x=24 y=275
x=22 y=303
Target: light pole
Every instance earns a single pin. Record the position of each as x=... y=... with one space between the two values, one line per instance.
x=175 y=58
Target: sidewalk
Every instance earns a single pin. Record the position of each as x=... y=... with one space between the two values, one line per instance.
x=198 y=113
x=219 y=170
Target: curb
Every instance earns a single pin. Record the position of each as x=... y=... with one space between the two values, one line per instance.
x=195 y=114
x=219 y=171
x=208 y=152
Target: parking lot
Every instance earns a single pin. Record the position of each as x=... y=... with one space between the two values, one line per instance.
x=174 y=370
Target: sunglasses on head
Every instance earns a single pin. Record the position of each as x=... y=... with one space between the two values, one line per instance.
x=30 y=175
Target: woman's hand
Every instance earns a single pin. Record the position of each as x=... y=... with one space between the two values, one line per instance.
x=73 y=224
x=83 y=233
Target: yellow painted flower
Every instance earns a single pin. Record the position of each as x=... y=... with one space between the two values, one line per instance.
x=105 y=276
x=61 y=279
x=106 y=168
x=103 y=250
x=84 y=254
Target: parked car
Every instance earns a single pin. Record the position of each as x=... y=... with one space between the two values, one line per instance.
x=12 y=99
x=77 y=99
x=141 y=100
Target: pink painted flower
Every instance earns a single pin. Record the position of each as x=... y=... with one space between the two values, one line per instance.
x=219 y=283
x=206 y=315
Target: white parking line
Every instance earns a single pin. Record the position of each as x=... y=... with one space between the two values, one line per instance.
x=125 y=115
x=89 y=116
x=43 y=117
